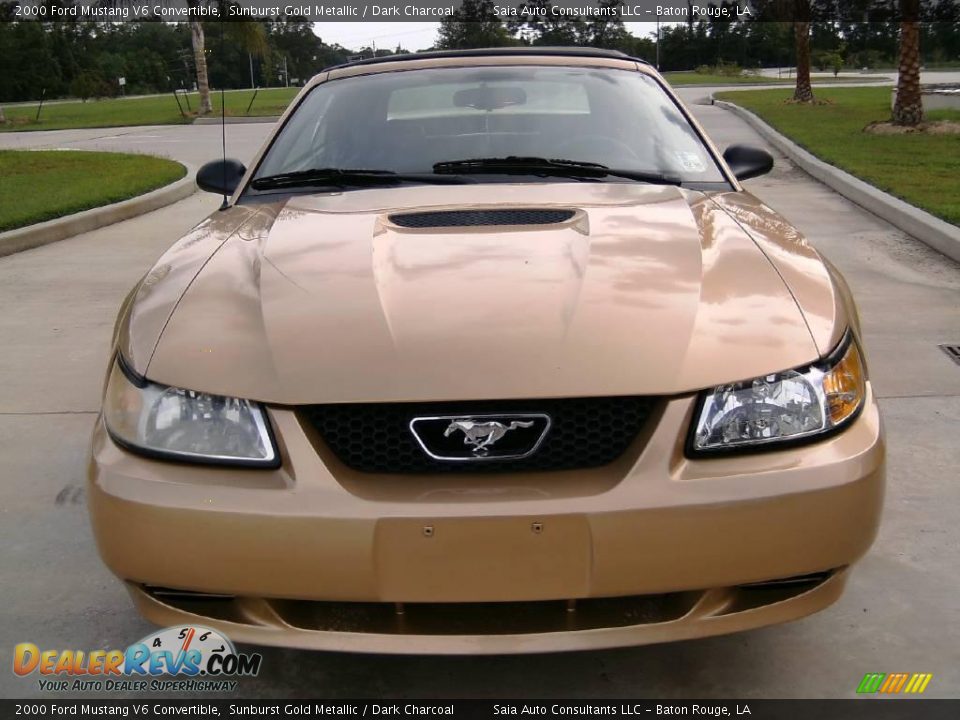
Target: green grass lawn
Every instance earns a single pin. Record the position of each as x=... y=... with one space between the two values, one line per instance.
x=42 y=185
x=695 y=78
x=922 y=169
x=159 y=110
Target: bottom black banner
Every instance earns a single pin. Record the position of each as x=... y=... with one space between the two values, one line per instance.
x=872 y=709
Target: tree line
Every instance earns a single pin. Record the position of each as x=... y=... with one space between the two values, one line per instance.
x=846 y=33
x=85 y=59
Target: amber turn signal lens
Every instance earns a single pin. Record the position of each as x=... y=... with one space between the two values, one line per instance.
x=844 y=386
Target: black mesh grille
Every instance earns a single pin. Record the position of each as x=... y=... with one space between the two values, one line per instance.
x=376 y=438
x=467 y=218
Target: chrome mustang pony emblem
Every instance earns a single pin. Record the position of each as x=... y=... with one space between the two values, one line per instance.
x=483 y=434
x=501 y=436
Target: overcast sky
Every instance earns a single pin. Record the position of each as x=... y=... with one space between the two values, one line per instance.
x=411 y=35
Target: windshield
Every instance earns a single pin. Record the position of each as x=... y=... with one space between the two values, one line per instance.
x=408 y=121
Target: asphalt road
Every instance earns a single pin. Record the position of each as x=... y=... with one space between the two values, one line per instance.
x=899 y=613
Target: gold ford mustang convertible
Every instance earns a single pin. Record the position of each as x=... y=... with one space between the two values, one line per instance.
x=487 y=351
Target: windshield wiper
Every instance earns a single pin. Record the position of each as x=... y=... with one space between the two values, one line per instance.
x=550 y=166
x=345 y=177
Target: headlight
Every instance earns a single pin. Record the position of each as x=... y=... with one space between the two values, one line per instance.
x=185 y=425
x=784 y=407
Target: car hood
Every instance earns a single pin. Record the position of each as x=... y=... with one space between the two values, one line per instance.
x=324 y=298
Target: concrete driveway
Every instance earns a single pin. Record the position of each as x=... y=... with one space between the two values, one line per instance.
x=193 y=144
x=900 y=612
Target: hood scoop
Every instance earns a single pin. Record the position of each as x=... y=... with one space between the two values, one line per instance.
x=476 y=218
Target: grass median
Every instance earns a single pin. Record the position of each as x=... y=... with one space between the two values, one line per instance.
x=679 y=79
x=921 y=168
x=47 y=184
x=695 y=78
x=153 y=110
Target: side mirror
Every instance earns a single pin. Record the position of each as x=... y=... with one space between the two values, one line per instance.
x=747 y=161
x=221 y=176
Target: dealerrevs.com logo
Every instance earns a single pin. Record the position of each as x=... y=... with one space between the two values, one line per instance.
x=176 y=659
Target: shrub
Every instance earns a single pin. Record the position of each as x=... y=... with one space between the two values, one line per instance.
x=868 y=59
x=103 y=89
x=84 y=85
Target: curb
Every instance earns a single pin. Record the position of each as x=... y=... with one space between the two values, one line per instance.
x=930 y=230
x=25 y=238
x=210 y=120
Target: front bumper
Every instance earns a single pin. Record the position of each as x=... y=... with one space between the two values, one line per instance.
x=296 y=551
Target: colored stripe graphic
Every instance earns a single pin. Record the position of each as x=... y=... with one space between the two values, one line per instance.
x=893 y=683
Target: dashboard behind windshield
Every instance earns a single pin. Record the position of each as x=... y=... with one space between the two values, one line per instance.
x=407 y=121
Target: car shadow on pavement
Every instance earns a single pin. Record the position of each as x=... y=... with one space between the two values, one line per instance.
x=712 y=667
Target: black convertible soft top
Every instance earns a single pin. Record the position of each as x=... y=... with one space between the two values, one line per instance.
x=572 y=51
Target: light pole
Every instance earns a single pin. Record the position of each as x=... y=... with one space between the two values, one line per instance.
x=658 y=42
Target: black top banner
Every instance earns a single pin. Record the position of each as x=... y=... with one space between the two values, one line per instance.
x=917 y=709
x=479 y=10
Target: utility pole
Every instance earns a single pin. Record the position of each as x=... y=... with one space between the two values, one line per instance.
x=658 y=42
x=250 y=57
x=286 y=75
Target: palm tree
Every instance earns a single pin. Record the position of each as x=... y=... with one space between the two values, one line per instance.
x=200 y=62
x=908 y=108
x=801 y=28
